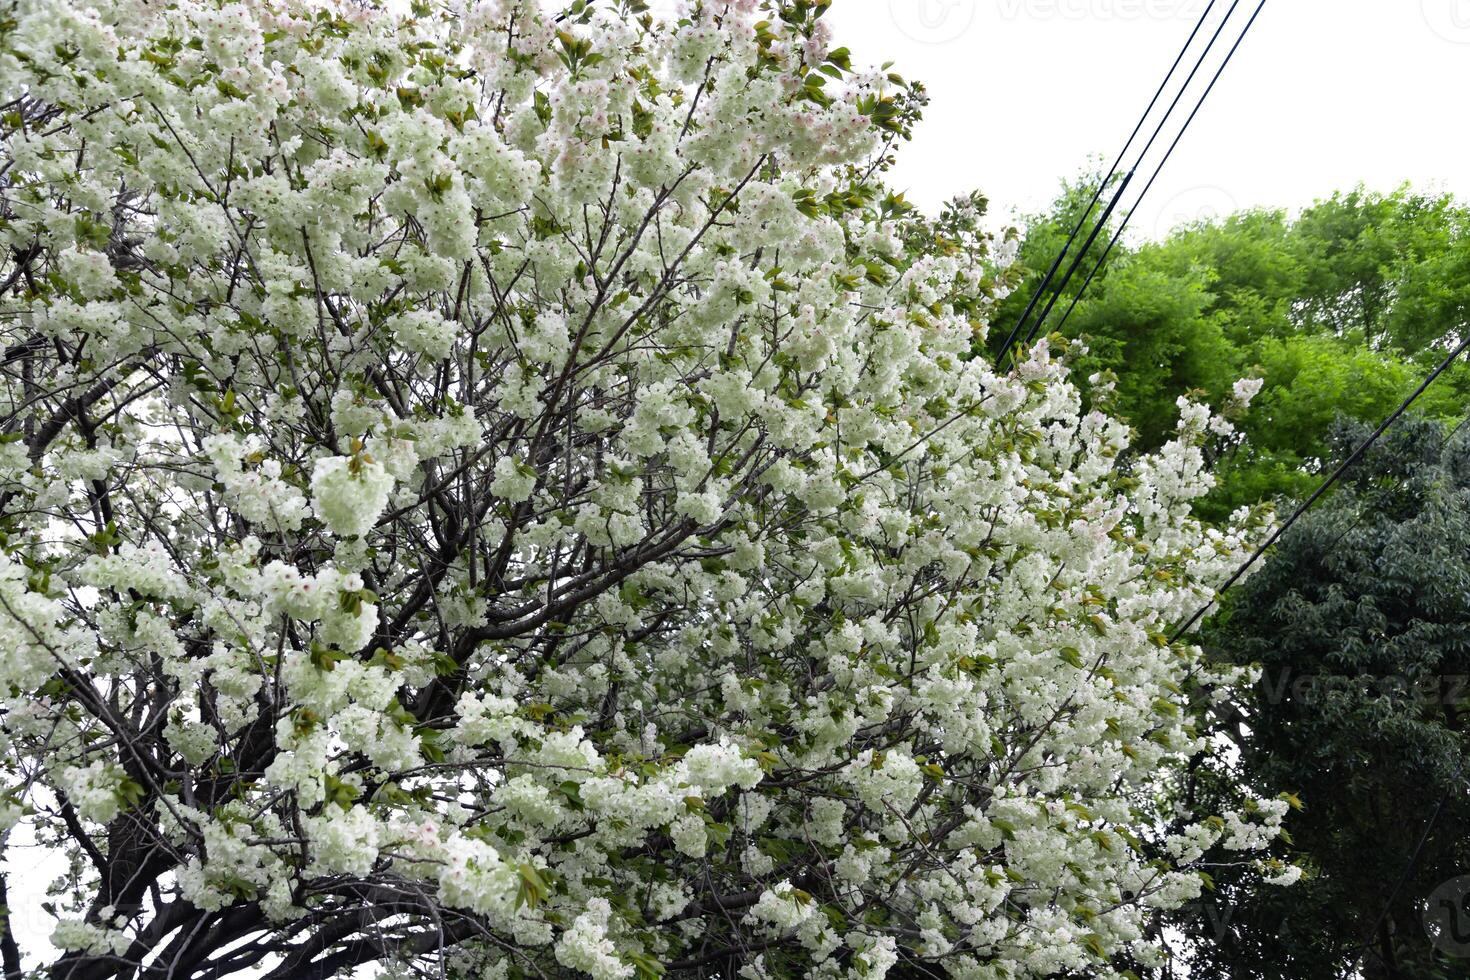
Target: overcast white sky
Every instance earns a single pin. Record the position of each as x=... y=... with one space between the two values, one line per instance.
x=1322 y=95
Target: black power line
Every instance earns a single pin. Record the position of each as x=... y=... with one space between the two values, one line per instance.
x=1102 y=185
x=1403 y=878
x=1102 y=222
x=1336 y=474
x=1326 y=485
x=1169 y=153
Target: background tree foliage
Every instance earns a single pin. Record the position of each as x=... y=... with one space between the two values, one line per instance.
x=1341 y=309
x=1361 y=625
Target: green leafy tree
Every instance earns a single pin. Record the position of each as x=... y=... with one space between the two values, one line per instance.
x=1340 y=310
x=1389 y=269
x=1360 y=624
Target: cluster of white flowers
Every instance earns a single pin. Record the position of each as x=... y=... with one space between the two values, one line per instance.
x=257 y=495
x=586 y=949
x=94 y=790
x=475 y=877
x=783 y=907
x=520 y=474
x=349 y=492
x=424 y=332
x=343 y=842
x=78 y=934
x=34 y=633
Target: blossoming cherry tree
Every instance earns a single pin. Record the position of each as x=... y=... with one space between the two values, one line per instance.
x=507 y=492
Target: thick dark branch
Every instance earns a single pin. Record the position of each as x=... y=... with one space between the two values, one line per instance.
x=372 y=948
x=9 y=948
x=23 y=260
x=72 y=409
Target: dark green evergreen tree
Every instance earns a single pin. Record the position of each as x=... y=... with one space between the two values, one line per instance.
x=1360 y=624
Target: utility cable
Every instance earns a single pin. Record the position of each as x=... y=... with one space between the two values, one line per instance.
x=1112 y=172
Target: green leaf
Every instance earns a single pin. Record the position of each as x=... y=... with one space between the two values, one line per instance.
x=533 y=888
